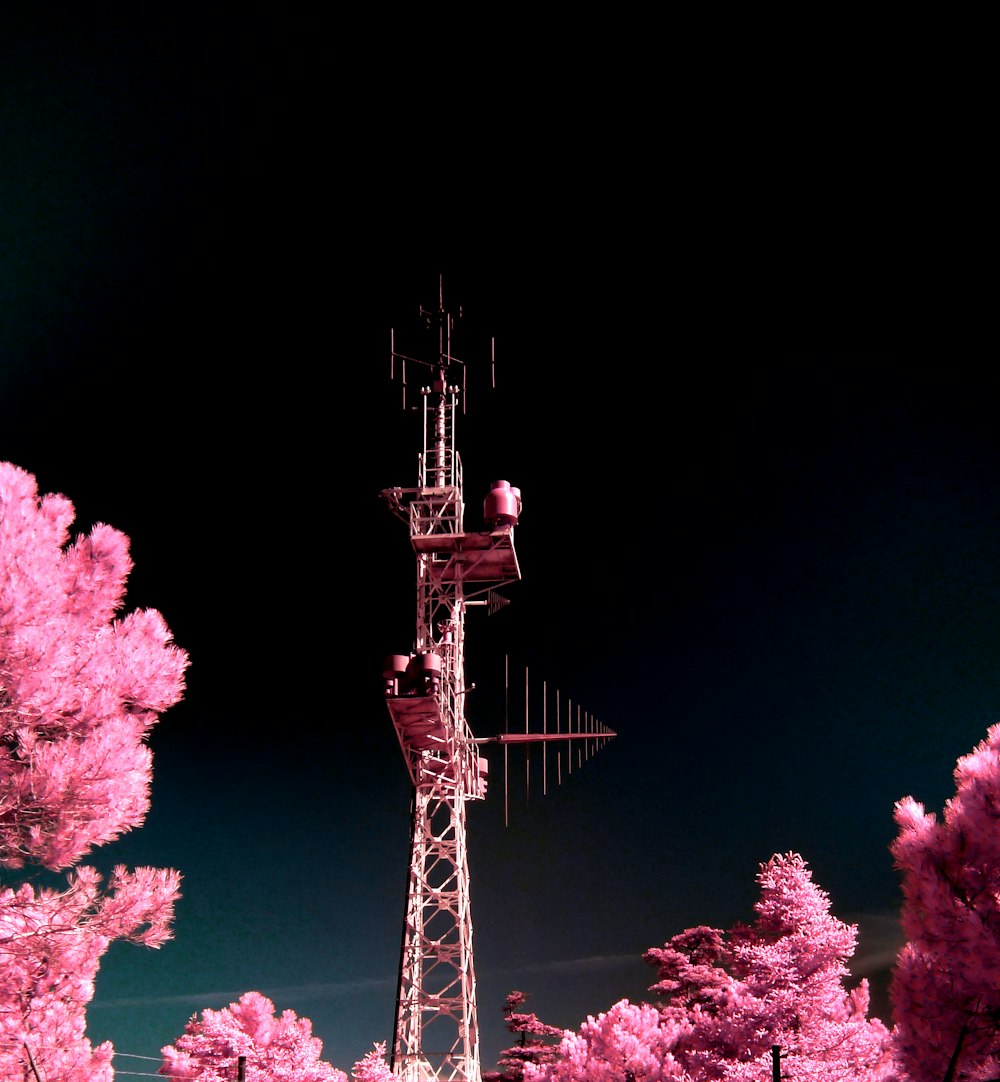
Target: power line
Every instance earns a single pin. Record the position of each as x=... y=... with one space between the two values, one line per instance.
x=147 y=1074
x=154 y=1059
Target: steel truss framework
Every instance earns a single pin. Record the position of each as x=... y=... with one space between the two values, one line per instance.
x=436 y=1030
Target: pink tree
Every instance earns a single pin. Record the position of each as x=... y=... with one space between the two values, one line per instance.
x=79 y=692
x=791 y=965
x=945 y=989
x=729 y=998
x=778 y=982
x=373 y=1068
x=274 y=1049
x=530 y=1048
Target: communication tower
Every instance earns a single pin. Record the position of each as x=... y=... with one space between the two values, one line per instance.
x=436 y=1036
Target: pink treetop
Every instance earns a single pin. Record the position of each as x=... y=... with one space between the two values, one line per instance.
x=628 y=1041
x=373 y=1068
x=79 y=692
x=690 y=972
x=791 y=965
x=276 y=1049
x=945 y=988
x=530 y=1048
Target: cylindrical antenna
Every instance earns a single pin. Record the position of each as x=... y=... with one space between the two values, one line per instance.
x=558 y=750
x=545 y=729
x=506 y=729
x=527 y=752
x=569 y=729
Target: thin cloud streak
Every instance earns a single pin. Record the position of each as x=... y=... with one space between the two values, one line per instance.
x=880 y=938
x=316 y=990
x=596 y=963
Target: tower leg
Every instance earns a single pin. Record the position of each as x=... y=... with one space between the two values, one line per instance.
x=437 y=1034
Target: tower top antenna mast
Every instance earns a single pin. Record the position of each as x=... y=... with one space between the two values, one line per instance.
x=445 y=364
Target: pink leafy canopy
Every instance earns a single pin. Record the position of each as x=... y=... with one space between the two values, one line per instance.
x=275 y=1048
x=373 y=1067
x=79 y=692
x=945 y=992
x=79 y=689
x=730 y=997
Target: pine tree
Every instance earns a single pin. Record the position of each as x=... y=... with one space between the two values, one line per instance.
x=791 y=965
x=530 y=1047
x=945 y=988
x=778 y=981
x=372 y=1067
x=80 y=690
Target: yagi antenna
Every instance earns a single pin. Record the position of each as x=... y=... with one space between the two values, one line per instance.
x=585 y=736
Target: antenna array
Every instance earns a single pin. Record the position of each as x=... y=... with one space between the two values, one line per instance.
x=584 y=734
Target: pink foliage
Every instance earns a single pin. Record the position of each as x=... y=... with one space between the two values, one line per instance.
x=729 y=998
x=532 y=1045
x=79 y=693
x=373 y=1068
x=276 y=1049
x=628 y=1041
x=946 y=985
x=791 y=967
x=79 y=690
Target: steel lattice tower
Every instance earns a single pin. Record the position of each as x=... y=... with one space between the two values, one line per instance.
x=436 y=1033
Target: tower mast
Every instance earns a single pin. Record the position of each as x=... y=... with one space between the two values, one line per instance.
x=436 y=1028
x=436 y=1033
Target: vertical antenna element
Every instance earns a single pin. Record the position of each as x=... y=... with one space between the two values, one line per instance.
x=545 y=729
x=569 y=728
x=558 y=750
x=527 y=752
x=506 y=729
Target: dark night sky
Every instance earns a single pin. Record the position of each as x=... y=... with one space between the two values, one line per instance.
x=741 y=383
